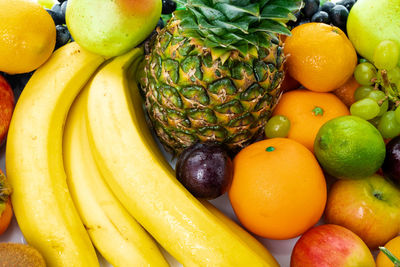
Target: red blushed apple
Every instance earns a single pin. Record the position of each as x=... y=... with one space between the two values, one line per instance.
x=331 y=245
x=6 y=107
x=370 y=207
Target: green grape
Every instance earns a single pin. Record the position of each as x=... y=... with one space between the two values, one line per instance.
x=364 y=73
x=362 y=92
x=366 y=109
x=362 y=60
x=383 y=108
x=375 y=121
x=386 y=55
x=277 y=126
x=388 y=125
x=377 y=95
x=397 y=114
x=394 y=75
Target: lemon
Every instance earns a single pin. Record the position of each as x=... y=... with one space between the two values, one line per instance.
x=349 y=147
x=27 y=36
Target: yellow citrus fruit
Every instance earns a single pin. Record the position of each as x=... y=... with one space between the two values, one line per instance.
x=394 y=247
x=27 y=36
x=320 y=56
x=278 y=189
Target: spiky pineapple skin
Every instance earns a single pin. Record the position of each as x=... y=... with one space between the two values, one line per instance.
x=191 y=97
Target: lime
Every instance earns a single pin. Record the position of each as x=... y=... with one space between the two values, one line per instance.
x=349 y=147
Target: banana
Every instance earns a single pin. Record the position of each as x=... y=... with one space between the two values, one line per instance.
x=142 y=179
x=41 y=200
x=116 y=235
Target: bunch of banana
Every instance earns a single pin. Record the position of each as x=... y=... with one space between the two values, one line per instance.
x=105 y=173
x=34 y=163
x=44 y=208
x=137 y=173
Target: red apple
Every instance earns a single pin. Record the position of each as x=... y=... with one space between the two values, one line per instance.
x=370 y=207
x=331 y=245
x=6 y=107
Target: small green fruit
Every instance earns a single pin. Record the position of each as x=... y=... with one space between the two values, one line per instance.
x=111 y=27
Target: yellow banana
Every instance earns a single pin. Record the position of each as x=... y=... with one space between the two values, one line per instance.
x=41 y=200
x=137 y=173
x=116 y=235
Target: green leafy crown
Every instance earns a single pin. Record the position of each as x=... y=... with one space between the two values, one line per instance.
x=243 y=25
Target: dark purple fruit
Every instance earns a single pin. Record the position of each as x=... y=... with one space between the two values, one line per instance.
x=339 y=16
x=56 y=15
x=327 y=6
x=321 y=16
x=205 y=170
x=64 y=8
x=347 y=3
x=310 y=7
x=303 y=21
x=391 y=165
x=62 y=36
x=18 y=82
x=168 y=6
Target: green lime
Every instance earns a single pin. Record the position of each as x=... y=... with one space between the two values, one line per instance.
x=349 y=147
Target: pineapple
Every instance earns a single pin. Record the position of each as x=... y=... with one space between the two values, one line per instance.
x=214 y=72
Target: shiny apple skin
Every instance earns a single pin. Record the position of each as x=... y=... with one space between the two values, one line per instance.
x=330 y=245
x=6 y=108
x=370 y=207
x=111 y=27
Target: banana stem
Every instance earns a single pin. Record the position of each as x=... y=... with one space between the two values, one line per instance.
x=390 y=255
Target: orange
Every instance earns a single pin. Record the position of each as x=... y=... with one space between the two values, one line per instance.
x=346 y=91
x=307 y=111
x=394 y=247
x=320 y=56
x=27 y=36
x=278 y=189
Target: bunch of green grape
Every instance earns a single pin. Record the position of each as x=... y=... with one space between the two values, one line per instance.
x=378 y=97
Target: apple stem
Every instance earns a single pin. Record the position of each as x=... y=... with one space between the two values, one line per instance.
x=390 y=255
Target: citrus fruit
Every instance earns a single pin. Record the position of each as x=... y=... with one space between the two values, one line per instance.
x=320 y=56
x=349 y=147
x=278 y=189
x=27 y=36
x=394 y=247
x=346 y=91
x=307 y=111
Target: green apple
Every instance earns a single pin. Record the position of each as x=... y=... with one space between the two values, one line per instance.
x=371 y=22
x=370 y=207
x=111 y=27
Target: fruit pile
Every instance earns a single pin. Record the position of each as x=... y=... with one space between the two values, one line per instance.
x=289 y=110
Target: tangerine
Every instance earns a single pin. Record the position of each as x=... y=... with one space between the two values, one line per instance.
x=27 y=36
x=320 y=56
x=394 y=247
x=346 y=91
x=278 y=189
x=307 y=111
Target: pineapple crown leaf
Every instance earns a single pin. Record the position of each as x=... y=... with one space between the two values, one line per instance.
x=240 y=25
